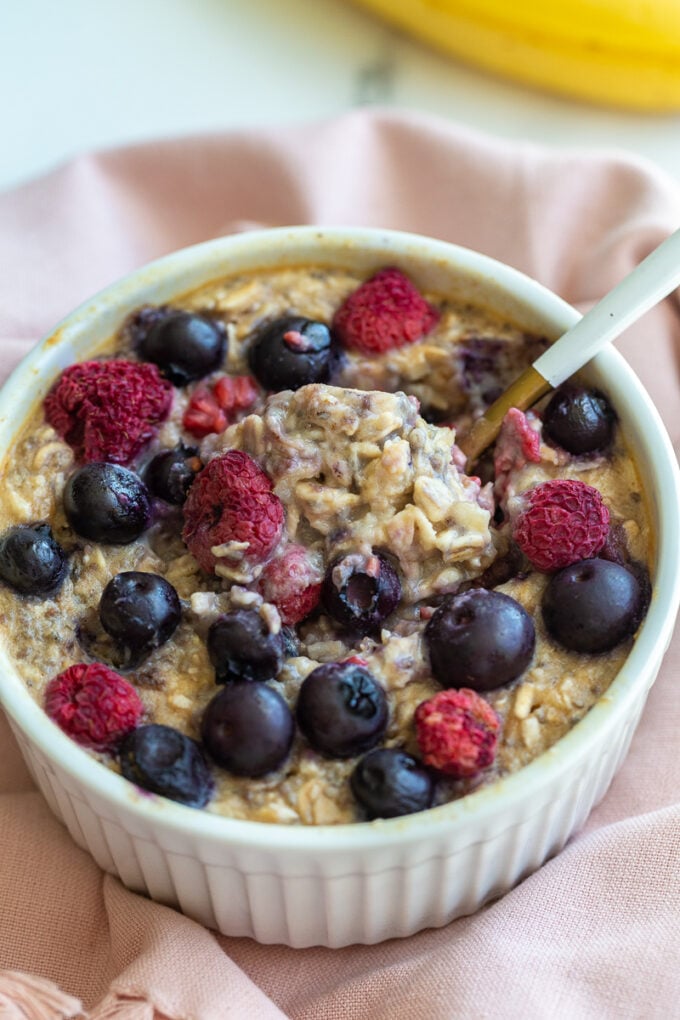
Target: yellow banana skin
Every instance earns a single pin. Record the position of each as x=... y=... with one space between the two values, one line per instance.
x=623 y=53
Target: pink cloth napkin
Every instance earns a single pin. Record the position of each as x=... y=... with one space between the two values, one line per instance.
x=596 y=932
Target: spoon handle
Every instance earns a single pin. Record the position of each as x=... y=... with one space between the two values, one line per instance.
x=653 y=279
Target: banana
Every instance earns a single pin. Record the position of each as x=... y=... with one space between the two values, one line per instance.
x=623 y=53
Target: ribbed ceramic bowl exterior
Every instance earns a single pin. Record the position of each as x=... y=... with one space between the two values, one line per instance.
x=337 y=885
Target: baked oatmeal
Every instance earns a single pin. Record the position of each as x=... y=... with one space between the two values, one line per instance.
x=243 y=565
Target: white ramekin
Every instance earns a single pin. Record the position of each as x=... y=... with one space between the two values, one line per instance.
x=337 y=885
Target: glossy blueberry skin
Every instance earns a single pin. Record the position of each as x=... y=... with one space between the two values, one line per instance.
x=248 y=729
x=31 y=560
x=291 y=352
x=185 y=345
x=593 y=605
x=388 y=783
x=241 y=647
x=479 y=639
x=107 y=503
x=579 y=420
x=164 y=761
x=364 y=601
x=170 y=473
x=140 y=611
x=341 y=709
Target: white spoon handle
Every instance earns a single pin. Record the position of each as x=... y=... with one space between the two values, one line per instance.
x=650 y=281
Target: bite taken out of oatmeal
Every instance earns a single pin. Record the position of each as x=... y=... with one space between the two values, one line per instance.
x=241 y=563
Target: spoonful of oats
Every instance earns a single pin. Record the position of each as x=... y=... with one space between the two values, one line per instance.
x=651 y=281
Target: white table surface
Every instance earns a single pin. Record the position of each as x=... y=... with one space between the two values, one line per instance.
x=81 y=74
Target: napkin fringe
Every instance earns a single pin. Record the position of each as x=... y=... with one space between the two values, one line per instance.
x=26 y=997
x=124 y=1007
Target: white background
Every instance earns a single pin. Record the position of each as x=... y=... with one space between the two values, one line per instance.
x=80 y=74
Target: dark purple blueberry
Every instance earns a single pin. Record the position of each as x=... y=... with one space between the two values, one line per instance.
x=241 y=647
x=593 y=605
x=170 y=473
x=248 y=729
x=107 y=503
x=341 y=709
x=31 y=560
x=139 y=610
x=185 y=345
x=290 y=353
x=360 y=591
x=579 y=420
x=164 y=761
x=387 y=783
x=479 y=639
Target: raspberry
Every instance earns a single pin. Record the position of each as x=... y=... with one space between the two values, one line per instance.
x=293 y=584
x=457 y=732
x=386 y=311
x=209 y=410
x=108 y=410
x=517 y=444
x=231 y=501
x=93 y=704
x=563 y=521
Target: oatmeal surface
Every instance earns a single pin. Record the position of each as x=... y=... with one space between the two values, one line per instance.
x=366 y=462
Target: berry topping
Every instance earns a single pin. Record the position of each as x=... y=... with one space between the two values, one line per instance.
x=293 y=584
x=186 y=346
x=231 y=515
x=479 y=639
x=31 y=561
x=93 y=704
x=212 y=409
x=579 y=420
x=108 y=410
x=162 y=760
x=290 y=353
x=107 y=503
x=140 y=611
x=248 y=729
x=517 y=444
x=385 y=312
x=562 y=521
x=457 y=732
x=241 y=647
x=341 y=709
x=361 y=591
x=593 y=605
x=170 y=473
x=388 y=782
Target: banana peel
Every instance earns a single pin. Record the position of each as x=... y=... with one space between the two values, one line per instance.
x=622 y=53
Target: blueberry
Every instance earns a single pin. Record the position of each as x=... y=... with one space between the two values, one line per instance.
x=164 y=761
x=185 y=346
x=170 y=473
x=593 y=605
x=579 y=420
x=107 y=503
x=341 y=709
x=479 y=639
x=31 y=561
x=140 y=611
x=241 y=647
x=388 y=782
x=360 y=591
x=290 y=353
x=248 y=729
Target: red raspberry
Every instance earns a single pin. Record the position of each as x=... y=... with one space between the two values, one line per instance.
x=231 y=500
x=563 y=521
x=517 y=444
x=457 y=732
x=386 y=311
x=209 y=410
x=93 y=704
x=108 y=410
x=293 y=584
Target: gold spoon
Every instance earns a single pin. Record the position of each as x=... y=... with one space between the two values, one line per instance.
x=651 y=281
